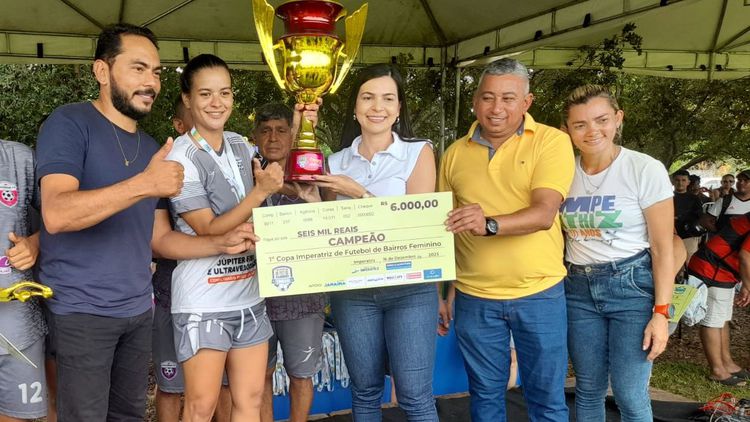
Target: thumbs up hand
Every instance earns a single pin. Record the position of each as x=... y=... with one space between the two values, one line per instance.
x=270 y=179
x=24 y=252
x=164 y=176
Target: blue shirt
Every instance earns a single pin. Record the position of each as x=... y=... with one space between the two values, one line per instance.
x=104 y=269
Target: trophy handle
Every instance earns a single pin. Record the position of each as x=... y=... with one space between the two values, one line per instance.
x=355 y=27
x=24 y=290
x=264 y=15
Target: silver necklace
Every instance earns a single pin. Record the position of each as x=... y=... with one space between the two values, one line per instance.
x=587 y=180
x=122 y=151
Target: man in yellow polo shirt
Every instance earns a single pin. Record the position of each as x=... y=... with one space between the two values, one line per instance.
x=509 y=176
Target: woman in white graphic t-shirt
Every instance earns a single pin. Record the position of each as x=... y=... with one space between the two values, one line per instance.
x=618 y=221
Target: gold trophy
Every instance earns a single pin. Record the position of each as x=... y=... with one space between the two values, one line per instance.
x=24 y=290
x=21 y=291
x=309 y=54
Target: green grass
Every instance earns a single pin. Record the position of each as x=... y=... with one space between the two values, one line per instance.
x=689 y=380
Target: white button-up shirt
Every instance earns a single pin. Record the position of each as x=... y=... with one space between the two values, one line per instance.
x=388 y=171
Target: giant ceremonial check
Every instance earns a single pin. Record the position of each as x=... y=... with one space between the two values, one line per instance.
x=355 y=244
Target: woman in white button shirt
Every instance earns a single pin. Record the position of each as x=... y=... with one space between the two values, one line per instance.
x=380 y=158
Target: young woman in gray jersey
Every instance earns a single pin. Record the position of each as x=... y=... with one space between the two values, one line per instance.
x=219 y=318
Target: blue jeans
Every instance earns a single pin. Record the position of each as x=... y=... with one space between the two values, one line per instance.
x=538 y=323
x=609 y=306
x=402 y=323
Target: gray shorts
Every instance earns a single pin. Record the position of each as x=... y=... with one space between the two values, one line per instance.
x=23 y=389
x=301 y=344
x=168 y=371
x=719 y=307
x=220 y=330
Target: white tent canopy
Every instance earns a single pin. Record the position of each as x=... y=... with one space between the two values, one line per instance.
x=682 y=38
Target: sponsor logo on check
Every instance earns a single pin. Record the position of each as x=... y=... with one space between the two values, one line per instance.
x=404 y=265
x=433 y=273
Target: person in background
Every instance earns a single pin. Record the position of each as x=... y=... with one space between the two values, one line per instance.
x=721 y=263
x=687 y=212
x=730 y=205
x=297 y=321
x=726 y=188
x=696 y=189
x=618 y=228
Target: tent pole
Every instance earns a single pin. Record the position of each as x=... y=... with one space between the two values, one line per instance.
x=458 y=102
x=444 y=56
x=712 y=57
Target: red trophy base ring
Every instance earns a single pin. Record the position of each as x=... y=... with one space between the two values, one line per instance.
x=303 y=164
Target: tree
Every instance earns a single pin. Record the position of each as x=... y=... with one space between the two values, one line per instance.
x=680 y=122
x=31 y=92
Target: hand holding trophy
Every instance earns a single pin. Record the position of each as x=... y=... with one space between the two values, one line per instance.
x=309 y=53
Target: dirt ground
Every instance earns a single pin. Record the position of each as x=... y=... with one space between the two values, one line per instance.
x=685 y=346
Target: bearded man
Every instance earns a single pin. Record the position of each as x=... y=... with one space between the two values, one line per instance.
x=101 y=181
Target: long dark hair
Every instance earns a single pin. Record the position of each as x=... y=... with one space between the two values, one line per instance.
x=201 y=61
x=352 y=129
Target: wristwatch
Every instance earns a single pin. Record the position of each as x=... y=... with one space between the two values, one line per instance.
x=667 y=310
x=490 y=226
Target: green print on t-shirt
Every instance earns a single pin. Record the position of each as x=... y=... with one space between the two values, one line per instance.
x=591 y=212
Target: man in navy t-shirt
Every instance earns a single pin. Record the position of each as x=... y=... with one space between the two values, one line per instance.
x=101 y=179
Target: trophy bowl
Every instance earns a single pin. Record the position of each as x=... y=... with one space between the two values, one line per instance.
x=312 y=61
x=309 y=65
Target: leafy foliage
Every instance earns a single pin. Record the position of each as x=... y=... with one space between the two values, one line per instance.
x=680 y=122
x=608 y=54
x=28 y=93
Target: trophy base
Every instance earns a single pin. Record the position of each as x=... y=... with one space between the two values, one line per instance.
x=303 y=164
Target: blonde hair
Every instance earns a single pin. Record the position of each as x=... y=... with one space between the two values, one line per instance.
x=585 y=93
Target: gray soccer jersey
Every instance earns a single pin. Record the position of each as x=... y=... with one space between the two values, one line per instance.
x=21 y=323
x=223 y=282
x=23 y=388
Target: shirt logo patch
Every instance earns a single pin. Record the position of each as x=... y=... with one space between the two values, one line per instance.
x=4 y=265
x=8 y=194
x=168 y=369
